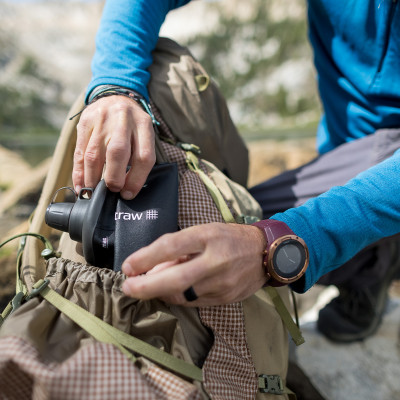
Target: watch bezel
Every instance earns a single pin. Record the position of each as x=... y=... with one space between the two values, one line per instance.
x=269 y=263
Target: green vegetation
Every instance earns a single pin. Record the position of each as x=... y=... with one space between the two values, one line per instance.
x=22 y=111
x=27 y=103
x=27 y=109
x=264 y=44
x=4 y=186
x=243 y=57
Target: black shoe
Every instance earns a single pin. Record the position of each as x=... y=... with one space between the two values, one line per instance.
x=357 y=313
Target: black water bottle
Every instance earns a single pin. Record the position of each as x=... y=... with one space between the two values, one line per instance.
x=111 y=228
x=89 y=221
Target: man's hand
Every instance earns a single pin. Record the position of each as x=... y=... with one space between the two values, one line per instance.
x=114 y=131
x=222 y=262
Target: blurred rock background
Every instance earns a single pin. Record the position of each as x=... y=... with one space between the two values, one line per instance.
x=258 y=53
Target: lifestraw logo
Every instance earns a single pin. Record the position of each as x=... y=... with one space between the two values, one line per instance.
x=149 y=214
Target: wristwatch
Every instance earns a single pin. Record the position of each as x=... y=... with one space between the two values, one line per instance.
x=286 y=255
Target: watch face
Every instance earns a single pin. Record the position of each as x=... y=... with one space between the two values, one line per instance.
x=289 y=258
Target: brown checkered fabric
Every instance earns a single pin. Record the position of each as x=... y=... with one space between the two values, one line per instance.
x=97 y=371
x=229 y=372
x=196 y=206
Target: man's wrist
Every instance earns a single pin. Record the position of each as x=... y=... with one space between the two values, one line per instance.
x=285 y=254
x=114 y=90
x=101 y=89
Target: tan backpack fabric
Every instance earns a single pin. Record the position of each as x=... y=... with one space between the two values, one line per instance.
x=195 y=110
x=242 y=347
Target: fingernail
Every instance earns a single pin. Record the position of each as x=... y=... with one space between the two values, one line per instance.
x=78 y=189
x=127 y=195
x=126 y=288
x=127 y=269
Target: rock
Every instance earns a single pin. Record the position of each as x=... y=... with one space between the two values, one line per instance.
x=270 y=157
x=24 y=186
x=366 y=370
x=25 y=189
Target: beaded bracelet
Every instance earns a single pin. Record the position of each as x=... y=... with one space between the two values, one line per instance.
x=112 y=90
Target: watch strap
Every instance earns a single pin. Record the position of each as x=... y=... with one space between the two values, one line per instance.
x=273 y=229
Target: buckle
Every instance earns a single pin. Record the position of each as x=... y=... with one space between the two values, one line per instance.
x=249 y=219
x=17 y=301
x=20 y=298
x=190 y=147
x=37 y=288
x=270 y=384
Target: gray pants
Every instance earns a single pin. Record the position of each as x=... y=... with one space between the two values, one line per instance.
x=292 y=188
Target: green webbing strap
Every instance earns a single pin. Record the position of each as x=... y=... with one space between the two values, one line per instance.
x=20 y=288
x=46 y=253
x=19 y=297
x=20 y=292
x=106 y=333
x=193 y=164
x=6 y=312
x=293 y=329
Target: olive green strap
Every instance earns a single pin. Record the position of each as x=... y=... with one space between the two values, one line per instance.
x=21 y=290
x=193 y=164
x=106 y=333
x=6 y=312
x=293 y=329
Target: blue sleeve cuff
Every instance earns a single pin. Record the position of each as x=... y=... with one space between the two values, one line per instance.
x=127 y=35
x=341 y=222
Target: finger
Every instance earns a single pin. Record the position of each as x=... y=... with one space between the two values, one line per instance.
x=167 y=282
x=162 y=266
x=94 y=157
x=168 y=247
x=84 y=131
x=211 y=288
x=166 y=264
x=118 y=154
x=200 y=301
x=174 y=299
x=142 y=160
x=198 y=295
x=214 y=289
x=170 y=282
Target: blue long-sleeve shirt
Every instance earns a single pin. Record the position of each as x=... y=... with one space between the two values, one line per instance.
x=357 y=55
x=128 y=33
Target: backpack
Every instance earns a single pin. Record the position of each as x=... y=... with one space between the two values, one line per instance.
x=71 y=333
